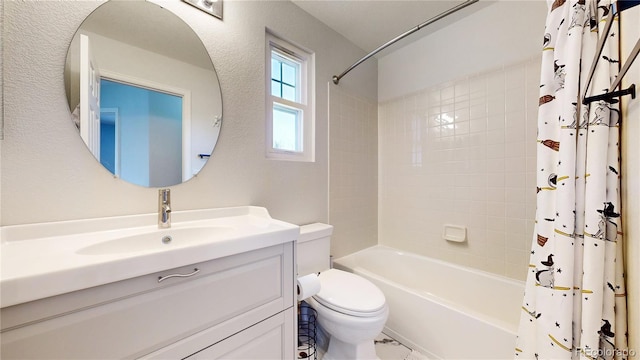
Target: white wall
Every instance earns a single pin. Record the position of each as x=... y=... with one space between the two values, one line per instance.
x=479 y=170
x=630 y=24
x=48 y=175
x=1 y=98
x=500 y=34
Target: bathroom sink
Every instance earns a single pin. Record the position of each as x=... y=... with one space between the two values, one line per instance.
x=48 y=259
x=161 y=239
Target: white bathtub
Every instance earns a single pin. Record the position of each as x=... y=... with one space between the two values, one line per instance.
x=443 y=310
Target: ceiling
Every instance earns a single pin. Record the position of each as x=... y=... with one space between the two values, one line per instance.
x=371 y=23
x=366 y=23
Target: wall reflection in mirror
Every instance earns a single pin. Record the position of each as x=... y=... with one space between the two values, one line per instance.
x=143 y=93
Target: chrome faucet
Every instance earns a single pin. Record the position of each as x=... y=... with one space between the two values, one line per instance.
x=164 y=208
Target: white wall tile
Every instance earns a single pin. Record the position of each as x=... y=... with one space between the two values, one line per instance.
x=353 y=169
x=478 y=171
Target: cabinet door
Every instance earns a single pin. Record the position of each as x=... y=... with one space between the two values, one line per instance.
x=269 y=339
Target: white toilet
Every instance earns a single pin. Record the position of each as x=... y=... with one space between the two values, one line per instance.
x=351 y=309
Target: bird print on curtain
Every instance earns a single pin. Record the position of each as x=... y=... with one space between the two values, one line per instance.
x=574 y=305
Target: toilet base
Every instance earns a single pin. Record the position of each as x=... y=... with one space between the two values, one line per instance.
x=340 y=350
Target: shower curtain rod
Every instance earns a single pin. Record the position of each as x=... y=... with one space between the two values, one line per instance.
x=615 y=8
x=336 y=78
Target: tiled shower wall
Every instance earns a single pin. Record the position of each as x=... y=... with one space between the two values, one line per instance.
x=463 y=153
x=353 y=171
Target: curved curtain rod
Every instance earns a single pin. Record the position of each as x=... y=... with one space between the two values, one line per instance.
x=336 y=78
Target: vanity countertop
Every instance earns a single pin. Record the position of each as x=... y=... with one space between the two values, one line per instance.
x=42 y=260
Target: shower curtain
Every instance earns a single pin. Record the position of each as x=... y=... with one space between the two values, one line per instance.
x=574 y=304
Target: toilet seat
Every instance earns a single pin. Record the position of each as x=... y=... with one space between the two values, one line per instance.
x=350 y=294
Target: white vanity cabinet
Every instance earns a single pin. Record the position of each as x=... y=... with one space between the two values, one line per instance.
x=234 y=307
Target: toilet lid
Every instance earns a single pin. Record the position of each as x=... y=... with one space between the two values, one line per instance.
x=349 y=293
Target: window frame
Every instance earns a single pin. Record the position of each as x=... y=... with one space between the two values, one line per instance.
x=306 y=107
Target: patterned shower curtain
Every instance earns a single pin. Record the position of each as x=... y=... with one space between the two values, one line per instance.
x=575 y=304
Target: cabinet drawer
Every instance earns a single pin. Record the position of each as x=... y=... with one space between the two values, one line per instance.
x=269 y=339
x=39 y=310
x=256 y=284
x=272 y=338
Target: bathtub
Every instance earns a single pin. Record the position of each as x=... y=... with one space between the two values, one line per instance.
x=443 y=310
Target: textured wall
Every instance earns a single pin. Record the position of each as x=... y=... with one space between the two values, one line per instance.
x=1 y=97
x=48 y=175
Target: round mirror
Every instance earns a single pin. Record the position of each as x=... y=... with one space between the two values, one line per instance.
x=143 y=93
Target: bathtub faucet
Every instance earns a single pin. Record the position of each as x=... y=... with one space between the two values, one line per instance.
x=164 y=208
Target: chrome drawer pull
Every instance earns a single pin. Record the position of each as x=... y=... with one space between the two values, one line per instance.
x=161 y=278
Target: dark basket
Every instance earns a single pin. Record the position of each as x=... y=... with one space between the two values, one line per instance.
x=307 y=332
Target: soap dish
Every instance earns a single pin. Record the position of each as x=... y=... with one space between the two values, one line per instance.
x=454 y=233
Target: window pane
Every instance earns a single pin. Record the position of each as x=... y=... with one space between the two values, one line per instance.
x=288 y=92
x=286 y=129
x=276 y=88
x=275 y=69
x=289 y=74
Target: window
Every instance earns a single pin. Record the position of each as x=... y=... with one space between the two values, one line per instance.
x=289 y=113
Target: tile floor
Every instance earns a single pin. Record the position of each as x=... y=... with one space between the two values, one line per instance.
x=388 y=348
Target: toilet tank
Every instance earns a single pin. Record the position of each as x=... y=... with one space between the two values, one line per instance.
x=313 y=248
